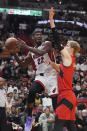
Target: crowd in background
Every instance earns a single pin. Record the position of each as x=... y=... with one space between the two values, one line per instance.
x=17 y=87
x=19 y=79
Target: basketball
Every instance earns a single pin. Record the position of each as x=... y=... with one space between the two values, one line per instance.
x=11 y=44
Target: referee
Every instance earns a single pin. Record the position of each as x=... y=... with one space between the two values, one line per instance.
x=2 y=106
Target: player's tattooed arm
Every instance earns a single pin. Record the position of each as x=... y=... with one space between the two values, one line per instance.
x=46 y=47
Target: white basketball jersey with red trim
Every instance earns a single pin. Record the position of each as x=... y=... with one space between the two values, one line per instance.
x=49 y=78
x=41 y=63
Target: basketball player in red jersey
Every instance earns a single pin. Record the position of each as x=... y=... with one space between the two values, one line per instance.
x=46 y=75
x=65 y=111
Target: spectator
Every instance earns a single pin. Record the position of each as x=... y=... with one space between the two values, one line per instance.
x=46 y=120
x=8 y=105
x=3 y=126
x=36 y=124
x=37 y=100
x=6 y=71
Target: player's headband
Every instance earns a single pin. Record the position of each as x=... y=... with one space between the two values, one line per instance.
x=37 y=31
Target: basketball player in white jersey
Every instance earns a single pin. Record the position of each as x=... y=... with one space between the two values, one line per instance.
x=46 y=76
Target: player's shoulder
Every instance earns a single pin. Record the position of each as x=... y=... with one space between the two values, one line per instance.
x=46 y=43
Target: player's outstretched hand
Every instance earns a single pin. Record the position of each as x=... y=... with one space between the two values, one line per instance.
x=51 y=13
x=21 y=43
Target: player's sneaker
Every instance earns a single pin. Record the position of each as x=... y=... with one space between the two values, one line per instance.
x=28 y=124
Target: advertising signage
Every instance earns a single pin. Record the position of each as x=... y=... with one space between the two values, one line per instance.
x=21 y=12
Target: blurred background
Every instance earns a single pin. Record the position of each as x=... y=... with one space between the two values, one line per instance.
x=18 y=18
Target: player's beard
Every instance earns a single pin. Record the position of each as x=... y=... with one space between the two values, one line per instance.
x=39 y=42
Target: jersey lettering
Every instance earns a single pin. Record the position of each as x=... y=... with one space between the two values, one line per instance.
x=40 y=60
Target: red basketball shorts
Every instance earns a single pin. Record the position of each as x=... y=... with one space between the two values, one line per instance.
x=66 y=105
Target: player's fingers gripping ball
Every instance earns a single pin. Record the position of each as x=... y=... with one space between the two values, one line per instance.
x=12 y=44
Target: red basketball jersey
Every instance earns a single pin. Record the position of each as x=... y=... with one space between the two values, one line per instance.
x=65 y=76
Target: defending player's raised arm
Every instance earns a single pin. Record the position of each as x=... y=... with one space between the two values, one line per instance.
x=66 y=58
x=56 y=39
x=46 y=48
x=51 y=15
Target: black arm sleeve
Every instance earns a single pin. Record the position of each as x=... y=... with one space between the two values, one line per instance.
x=56 y=39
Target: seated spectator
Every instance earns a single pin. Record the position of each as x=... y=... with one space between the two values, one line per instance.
x=81 y=119
x=83 y=66
x=8 y=105
x=14 y=118
x=84 y=115
x=77 y=66
x=77 y=88
x=46 y=120
x=11 y=115
x=20 y=103
x=37 y=100
x=76 y=77
x=22 y=116
x=15 y=93
x=39 y=112
x=36 y=125
x=6 y=71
